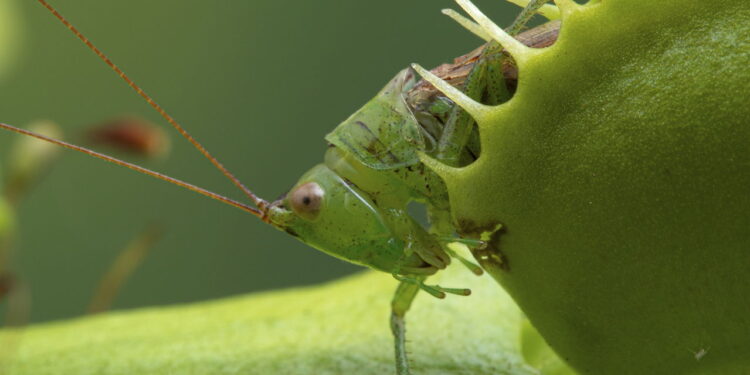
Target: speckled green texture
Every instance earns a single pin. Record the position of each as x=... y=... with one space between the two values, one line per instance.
x=621 y=171
x=338 y=328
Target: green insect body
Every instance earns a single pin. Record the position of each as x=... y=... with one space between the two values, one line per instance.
x=353 y=206
x=384 y=134
x=335 y=216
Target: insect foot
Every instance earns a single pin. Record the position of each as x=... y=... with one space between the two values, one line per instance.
x=436 y=291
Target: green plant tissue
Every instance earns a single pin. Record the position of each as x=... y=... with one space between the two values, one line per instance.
x=337 y=328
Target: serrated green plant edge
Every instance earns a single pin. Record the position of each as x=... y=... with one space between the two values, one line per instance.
x=337 y=328
x=620 y=171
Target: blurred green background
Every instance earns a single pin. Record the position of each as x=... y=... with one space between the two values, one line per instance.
x=258 y=82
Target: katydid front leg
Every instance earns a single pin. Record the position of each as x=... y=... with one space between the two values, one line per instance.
x=418 y=240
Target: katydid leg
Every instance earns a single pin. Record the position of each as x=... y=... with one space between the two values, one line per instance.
x=400 y=304
x=458 y=128
x=485 y=83
x=436 y=291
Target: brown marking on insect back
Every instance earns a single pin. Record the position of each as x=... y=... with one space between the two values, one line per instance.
x=375 y=140
x=349 y=146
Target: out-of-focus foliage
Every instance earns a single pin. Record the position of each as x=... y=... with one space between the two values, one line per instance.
x=30 y=159
x=6 y=219
x=10 y=35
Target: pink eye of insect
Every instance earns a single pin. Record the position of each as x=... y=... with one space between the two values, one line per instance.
x=307 y=199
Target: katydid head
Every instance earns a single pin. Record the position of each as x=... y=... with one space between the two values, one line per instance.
x=332 y=215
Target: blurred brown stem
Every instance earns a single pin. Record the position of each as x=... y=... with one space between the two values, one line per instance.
x=124 y=265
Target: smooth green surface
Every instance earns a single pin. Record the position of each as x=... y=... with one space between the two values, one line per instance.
x=259 y=82
x=336 y=328
x=620 y=172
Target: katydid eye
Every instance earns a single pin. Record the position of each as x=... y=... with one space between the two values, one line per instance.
x=307 y=199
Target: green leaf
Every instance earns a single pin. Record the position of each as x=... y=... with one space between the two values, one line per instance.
x=337 y=328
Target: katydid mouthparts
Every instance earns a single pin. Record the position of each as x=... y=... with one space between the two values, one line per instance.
x=353 y=206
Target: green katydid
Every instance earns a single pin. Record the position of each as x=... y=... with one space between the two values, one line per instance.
x=354 y=205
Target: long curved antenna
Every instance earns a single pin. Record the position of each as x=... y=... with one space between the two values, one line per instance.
x=199 y=190
x=260 y=203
